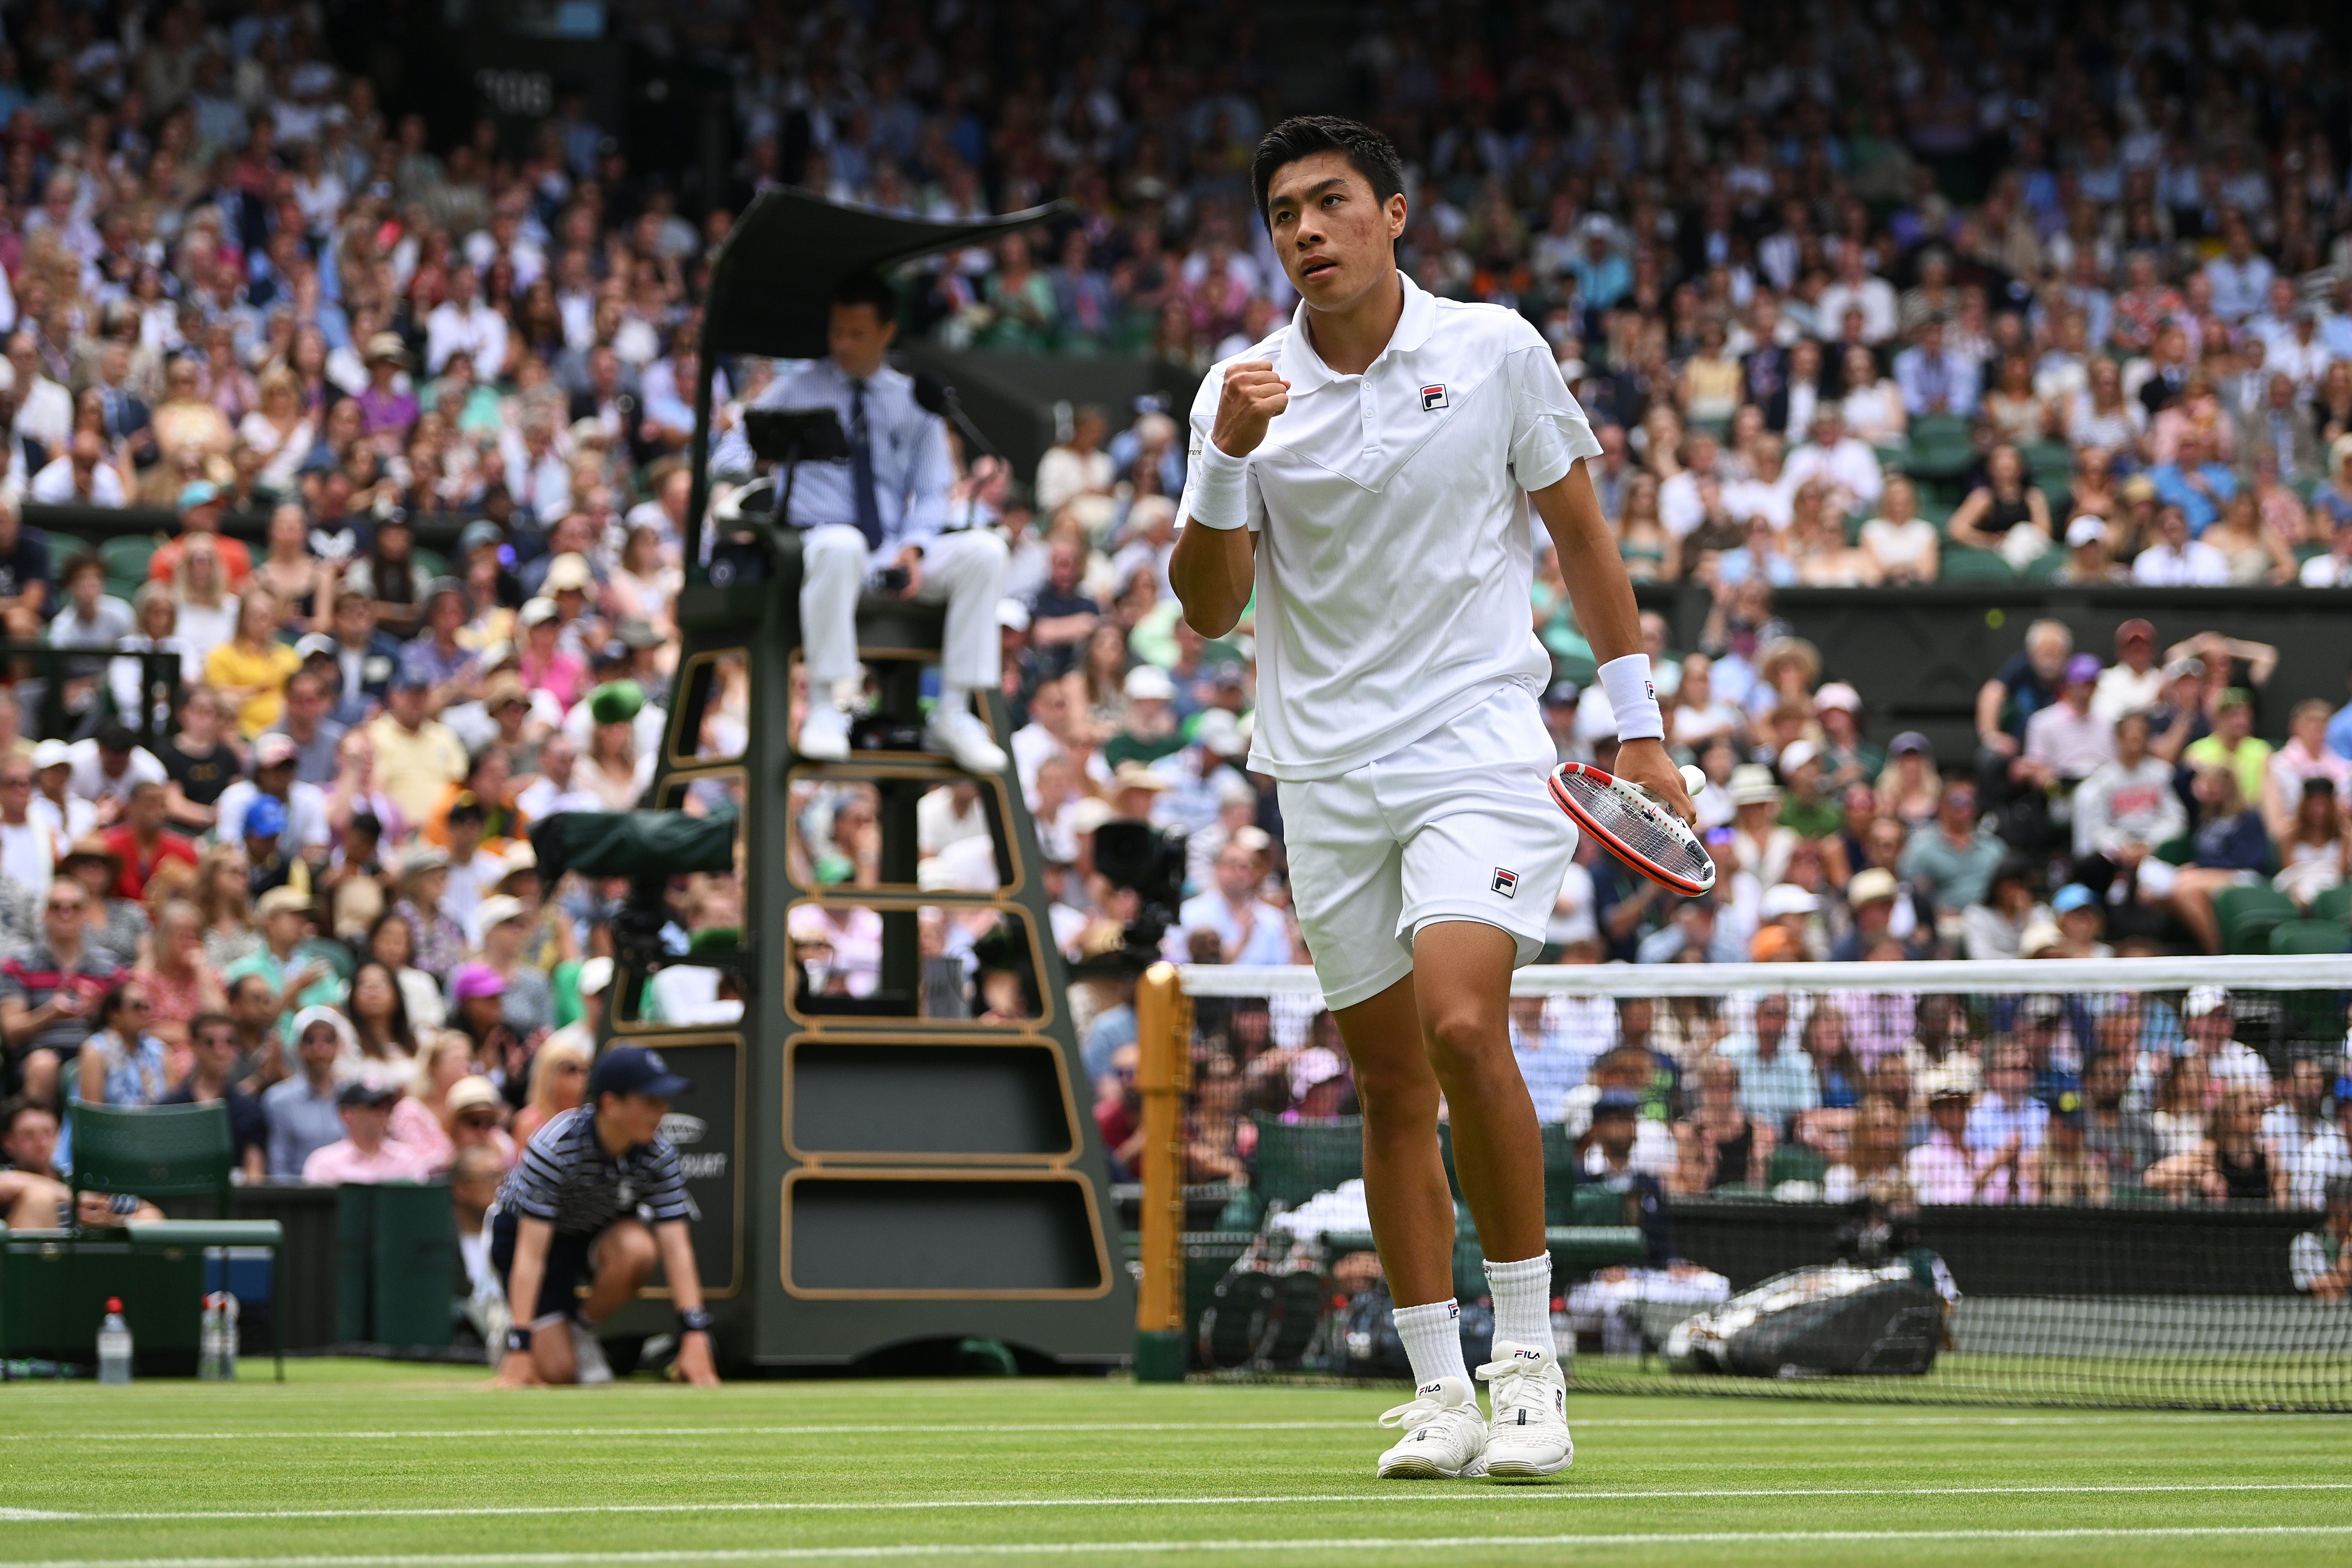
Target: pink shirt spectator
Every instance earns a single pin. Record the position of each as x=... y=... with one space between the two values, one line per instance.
x=340 y=1163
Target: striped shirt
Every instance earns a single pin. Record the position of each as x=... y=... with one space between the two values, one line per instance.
x=566 y=1179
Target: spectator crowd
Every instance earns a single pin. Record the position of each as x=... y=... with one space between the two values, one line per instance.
x=1867 y=299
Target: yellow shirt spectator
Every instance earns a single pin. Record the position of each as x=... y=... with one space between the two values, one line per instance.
x=250 y=670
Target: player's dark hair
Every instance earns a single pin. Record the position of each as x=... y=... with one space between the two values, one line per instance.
x=1368 y=151
x=868 y=289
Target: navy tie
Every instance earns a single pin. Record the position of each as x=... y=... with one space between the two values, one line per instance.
x=861 y=468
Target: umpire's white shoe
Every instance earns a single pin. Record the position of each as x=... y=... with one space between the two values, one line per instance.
x=964 y=737
x=1443 y=1439
x=1526 y=1438
x=588 y=1355
x=825 y=734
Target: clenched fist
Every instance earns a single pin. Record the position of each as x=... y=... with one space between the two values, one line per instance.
x=1253 y=395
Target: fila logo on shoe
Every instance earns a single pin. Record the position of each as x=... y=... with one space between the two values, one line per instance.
x=1507 y=882
x=1432 y=398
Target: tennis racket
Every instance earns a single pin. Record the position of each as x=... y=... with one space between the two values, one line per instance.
x=1630 y=822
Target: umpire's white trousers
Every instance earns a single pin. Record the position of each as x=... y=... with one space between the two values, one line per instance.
x=964 y=569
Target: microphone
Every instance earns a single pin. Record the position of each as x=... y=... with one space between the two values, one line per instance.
x=935 y=395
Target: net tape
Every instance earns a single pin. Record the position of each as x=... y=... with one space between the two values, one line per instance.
x=2022 y=976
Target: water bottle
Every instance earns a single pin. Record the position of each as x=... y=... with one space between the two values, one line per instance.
x=114 y=1345
x=217 y=1342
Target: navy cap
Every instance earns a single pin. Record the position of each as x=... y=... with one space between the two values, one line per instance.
x=633 y=1069
x=1617 y=1100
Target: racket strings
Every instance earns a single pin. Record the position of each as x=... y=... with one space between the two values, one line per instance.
x=1642 y=827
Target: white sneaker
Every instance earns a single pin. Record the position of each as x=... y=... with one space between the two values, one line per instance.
x=588 y=1355
x=964 y=737
x=1443 y=1439
x=1527 y=1437
x=825 y=734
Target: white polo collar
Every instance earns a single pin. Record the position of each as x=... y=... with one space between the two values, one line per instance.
x=1305 y=369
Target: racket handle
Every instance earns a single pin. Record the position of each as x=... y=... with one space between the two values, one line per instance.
x=1692 y=780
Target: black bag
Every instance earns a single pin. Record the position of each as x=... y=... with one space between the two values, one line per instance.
x=1370 y=1345
x=1838 y=1320
x=1262 y=1314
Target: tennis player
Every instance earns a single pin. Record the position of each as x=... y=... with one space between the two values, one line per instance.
x=1365 y=470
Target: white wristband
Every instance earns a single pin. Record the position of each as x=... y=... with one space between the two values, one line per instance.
x=1634 y=699
x=1219 y=488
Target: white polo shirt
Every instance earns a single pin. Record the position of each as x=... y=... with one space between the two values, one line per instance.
x=1395 y=560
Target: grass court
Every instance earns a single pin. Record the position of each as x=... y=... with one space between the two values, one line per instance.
x=365 y=1464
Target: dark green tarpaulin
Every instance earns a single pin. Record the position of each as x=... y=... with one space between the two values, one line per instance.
x=633 y=844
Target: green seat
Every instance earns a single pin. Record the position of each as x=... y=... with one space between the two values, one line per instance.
x=1593 y=1204
x=2334 y=904
x=429 y=563
x=1578 y=1249
x=1795 y=1163
x=174 y=1151
x=2050 y=465
x=1963 y=564
x=1941 y=447
x=2176 y=851
x=2247 y=916
x=1297 y=1160
x=2045 y=567
x=2289 y=938
x=127 y=556
x=337 y=956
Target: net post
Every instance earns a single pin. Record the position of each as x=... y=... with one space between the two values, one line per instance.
x=1163 y=1016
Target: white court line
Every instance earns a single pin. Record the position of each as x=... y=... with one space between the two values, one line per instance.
x=620 y=1429
x=1163 y=1547
x=1568 y=1495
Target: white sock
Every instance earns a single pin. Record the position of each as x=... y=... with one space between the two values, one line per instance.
x=1433 y=1341
x=1522 y=1294
x=953 y=699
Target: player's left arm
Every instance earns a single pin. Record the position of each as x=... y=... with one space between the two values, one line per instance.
x=1605 y=613
x=675 y=1244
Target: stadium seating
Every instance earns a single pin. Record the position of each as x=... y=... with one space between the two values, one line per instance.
x=1941 y=447
x=2289 y=937
x=160 y=1152
x=2248 y=915
x=2334 y=904
x=1965 y=563
x=127 y=556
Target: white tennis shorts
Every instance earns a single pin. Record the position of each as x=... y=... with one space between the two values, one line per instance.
x=1456 y=825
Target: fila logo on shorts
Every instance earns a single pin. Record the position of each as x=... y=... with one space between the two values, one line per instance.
x=1432 y=398
x=1507 y=882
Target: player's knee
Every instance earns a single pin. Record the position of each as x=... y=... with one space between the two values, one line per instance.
x=1462 y=1039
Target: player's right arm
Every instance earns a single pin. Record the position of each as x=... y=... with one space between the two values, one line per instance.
x=1214 y=568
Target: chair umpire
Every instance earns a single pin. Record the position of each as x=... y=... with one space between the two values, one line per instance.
x=882 y=512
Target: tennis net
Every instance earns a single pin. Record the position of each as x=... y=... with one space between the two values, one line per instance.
x=2104 y=1183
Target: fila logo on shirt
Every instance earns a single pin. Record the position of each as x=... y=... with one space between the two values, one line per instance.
x=1507 y=882
x=1432 y=398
